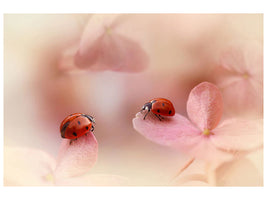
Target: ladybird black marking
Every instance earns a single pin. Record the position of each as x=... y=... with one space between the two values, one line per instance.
x=75 y=134
x=163 y=104
x=170 y=112
x=79 y=122
x=158 y=111
x=87 y=127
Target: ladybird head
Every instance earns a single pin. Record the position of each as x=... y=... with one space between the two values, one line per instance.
x=147 y=106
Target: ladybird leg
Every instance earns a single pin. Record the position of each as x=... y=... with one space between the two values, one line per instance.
x=157 y=116
x=146 y=114
x=92 y=129
x=73 y=140
x=161 y=117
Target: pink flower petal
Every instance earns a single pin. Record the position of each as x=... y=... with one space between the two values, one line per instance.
x=207 y=151
x=193 y=179
x=95 y=180
x=205 y=106
x=173 y=131
x=95 y=28
x=102 y=48
x=239 y=172
x=178 y=132
x=236 y=134
x=78 y=157
x=241 y=77
x=243 y=59
x=66 y=61
x=247 y=94
x=27 y=167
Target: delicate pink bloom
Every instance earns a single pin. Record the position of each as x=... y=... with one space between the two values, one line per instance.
x=33 y=167
x=240 y=77
x=244 y=171
x=202 y=136
x=103 y=47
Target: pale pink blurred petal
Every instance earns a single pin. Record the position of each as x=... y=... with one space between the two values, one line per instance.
x=27 y=167
x=233 y=60
x=243 y=57
x=192 y=179
x=95 y=180
x=76 y=158
x=239 y=172
x=247 y=95
x=66 y=61
x=173 y=131
x=236 y=134
x=241 y=76
x=102 y=48
x=98 y=25
x=205 y=106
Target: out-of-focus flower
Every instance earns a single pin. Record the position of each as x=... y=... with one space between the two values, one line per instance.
x=240 y=77
x=103 y=47
x=202 y=136
x=33 y=167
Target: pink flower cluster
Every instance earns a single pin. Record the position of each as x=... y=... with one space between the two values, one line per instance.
x=31 y=167
x=103 y=47
x=203 y=136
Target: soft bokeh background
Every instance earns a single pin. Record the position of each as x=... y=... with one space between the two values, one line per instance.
x=182 y=49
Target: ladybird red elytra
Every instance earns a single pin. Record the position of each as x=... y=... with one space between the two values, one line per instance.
x=160 y=107
x=76 y=125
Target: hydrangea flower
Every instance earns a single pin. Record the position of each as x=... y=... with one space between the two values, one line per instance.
x=240 y=76
x=103 y=47
x=34 y=167
x=203 y=135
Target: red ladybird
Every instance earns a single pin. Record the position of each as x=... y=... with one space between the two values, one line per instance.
x=76 y=125
x=160 y=107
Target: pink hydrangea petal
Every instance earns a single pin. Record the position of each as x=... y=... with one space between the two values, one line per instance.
x=205 y=105
x=95 y=28
x=243 y=57
x=237 y=134
x=233 y=60
x=207 y=151
x=78 y=157
x=95 y=180
x=176 y=131
x=27 y=167
x=247 y=94
x=239 y=172
x=113 y=52
x=102 y=48
x=66 y=61
x=193 y=179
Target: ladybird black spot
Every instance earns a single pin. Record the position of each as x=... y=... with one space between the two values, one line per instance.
x=87 y=127
x=163 y=104
x=158 y=111
x=79 y=122
x=75 y=134
x=170 y=112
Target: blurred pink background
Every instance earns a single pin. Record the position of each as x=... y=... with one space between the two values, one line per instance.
x=183 y=50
